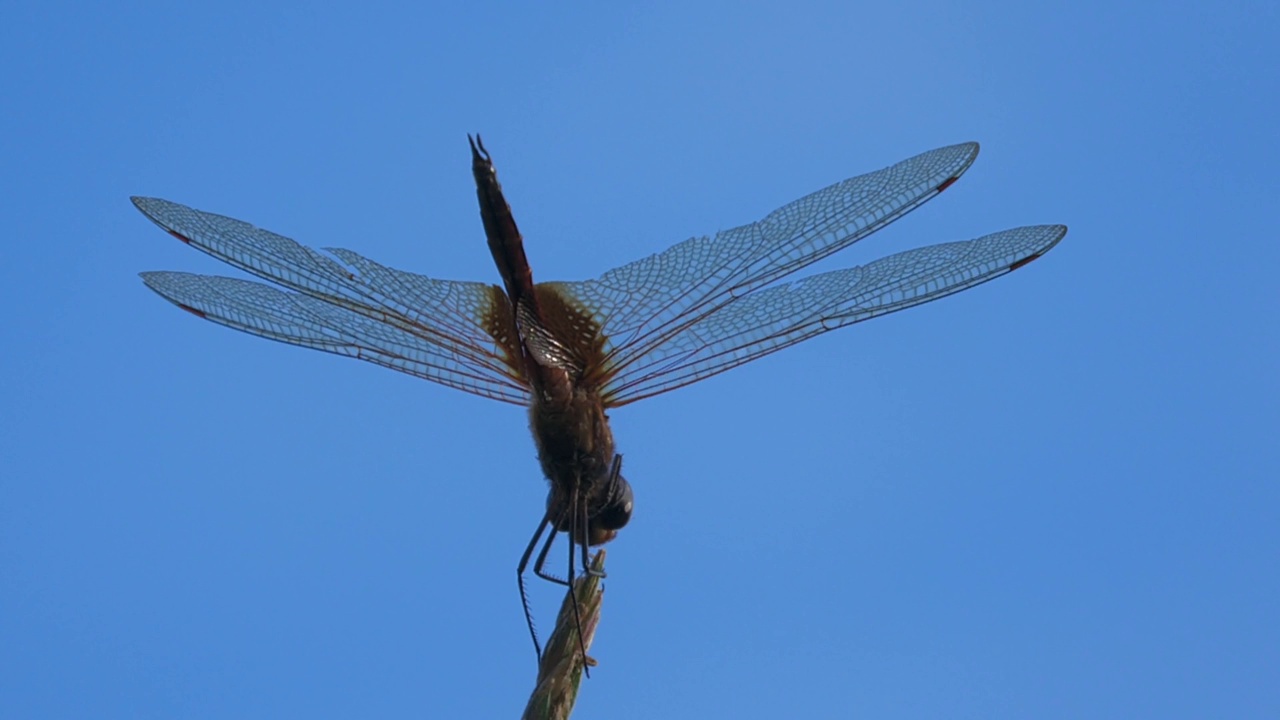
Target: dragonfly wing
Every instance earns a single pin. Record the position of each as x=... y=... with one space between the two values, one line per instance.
x=463 y=322
x=306 y=321
x=643 y=305
x=776 y=317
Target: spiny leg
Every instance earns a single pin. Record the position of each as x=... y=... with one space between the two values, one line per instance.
x=524 y=563
x=539 y=568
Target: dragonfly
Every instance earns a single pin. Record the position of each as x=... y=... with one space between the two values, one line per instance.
x=571 y=351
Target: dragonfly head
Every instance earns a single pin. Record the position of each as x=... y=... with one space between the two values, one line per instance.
x=610 y=510
x=615 y=513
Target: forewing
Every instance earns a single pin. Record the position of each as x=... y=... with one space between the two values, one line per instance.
x=645 y=304
x=459 y=334
x=776 y=317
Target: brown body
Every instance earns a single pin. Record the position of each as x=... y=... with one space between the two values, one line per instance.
x=575 y=448
x=560 y=346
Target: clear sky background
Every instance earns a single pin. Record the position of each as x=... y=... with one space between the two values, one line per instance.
x=1054 y=496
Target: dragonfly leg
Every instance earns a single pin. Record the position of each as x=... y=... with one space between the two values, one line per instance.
x=524 y=563
x=582 y=540
x=578 y=531
x=539 y=565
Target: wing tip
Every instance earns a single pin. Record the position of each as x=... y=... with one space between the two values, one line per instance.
x=147 y=205
x=155 y=281
x=153 y=208
x=969 y=150
x=1055 y=233
x=967 y=153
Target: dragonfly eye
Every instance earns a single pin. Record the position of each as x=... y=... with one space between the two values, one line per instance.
x=617 y=513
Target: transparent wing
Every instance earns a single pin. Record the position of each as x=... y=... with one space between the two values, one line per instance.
x=642 y=306
x=773 y=318
x=456 y=333
x=305 y=321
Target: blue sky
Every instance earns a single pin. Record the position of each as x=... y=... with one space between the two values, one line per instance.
x=1052 y=496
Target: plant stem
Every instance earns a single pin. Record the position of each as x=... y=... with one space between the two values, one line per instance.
x=561 y=665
